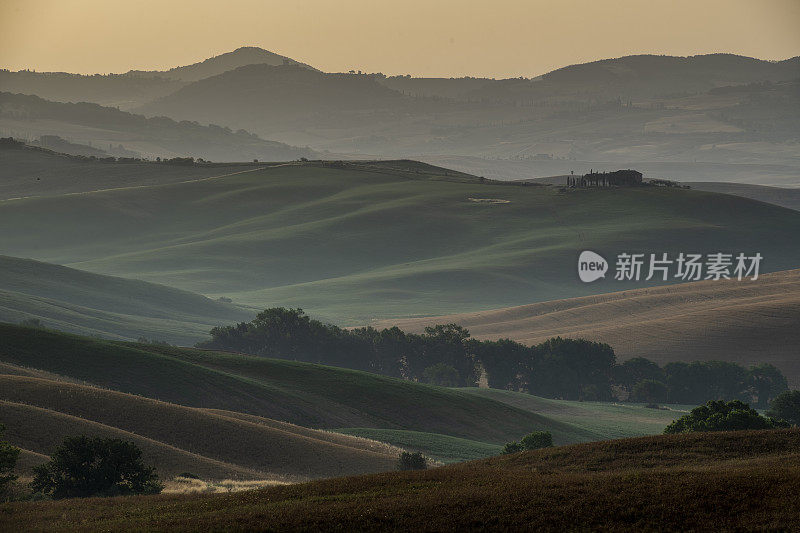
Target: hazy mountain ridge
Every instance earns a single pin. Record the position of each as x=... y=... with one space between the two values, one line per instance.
x=634 y=108
x=266 y=96
x=155 y=136
x=117 y=90
x=245 y=55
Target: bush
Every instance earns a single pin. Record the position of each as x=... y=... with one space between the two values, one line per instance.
x=512 y=447
x=531 y=441
x=536 y=440
x=92 y=466
x=786 y=406
x=8 y=460
x=412 y=461
x=721 y=416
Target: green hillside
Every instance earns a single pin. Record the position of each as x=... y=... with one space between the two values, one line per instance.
x=91 y=304
x=604 y=419
x=351 y=242
x=27 y=171
x=782 y=196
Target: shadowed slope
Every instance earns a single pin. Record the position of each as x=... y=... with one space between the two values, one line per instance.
x=299 y=393
x=711 y=481
x=82 y=302
x=269 y=448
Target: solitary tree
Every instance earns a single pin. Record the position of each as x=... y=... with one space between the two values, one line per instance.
x=412 y=461
x=531 y=441
x=786 y=406
x=536 y=440
x=92 y=466
x=8 y=459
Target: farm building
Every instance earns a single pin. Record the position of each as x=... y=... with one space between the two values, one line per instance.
x=618 y=178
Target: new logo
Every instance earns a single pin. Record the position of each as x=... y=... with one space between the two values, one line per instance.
x=591 y=266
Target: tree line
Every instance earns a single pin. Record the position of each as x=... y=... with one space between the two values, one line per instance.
x=446 y=355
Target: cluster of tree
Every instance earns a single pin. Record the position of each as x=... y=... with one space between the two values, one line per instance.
x=440 y=355
x=696 y=382
x=717 y=415
x=531 y=441
x=85 y=466
x=570 y=369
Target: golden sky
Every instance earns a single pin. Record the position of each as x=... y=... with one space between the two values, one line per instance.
x=496 y=38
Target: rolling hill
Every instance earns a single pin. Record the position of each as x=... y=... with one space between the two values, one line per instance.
x=70 y=376
x=352 y=242
x=40 y=413
x=747 y=322
x=92 y=304
x=782 y=196
x=298 y=393
x=701 y=481
x=31 y=171
x=28 y=117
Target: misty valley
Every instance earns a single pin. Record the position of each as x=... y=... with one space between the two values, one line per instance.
x=249 y=293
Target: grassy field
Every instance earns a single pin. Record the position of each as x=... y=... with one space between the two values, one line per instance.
x=701 y=481
x=603 y=420
x=92 y=304
x=439 y=447
x=747 y=322
x=367 y=241
x=26 y=172
x=783 y=196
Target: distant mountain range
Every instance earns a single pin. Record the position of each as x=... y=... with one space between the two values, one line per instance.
x=711 y=109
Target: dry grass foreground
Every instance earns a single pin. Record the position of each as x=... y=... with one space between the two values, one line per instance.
x=711 y=481
x=746 y=322
x=212 y=444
